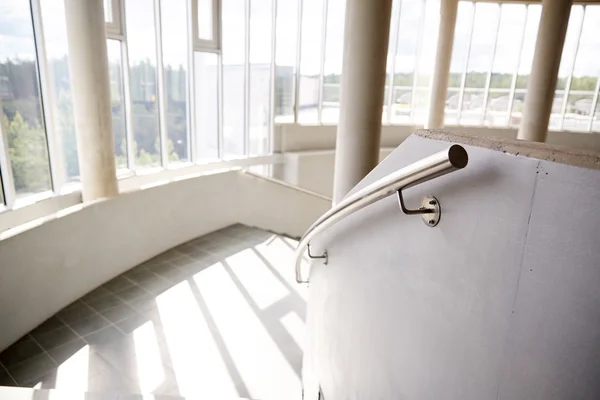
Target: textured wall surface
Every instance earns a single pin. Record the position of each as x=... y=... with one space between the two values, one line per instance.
x=500 y=300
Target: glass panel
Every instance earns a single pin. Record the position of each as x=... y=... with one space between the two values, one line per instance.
x=205 y=19
x=334 y=49
x=233 y=77
x=115 y=64
x=596 y=117
x=472 y=107
x=460 y=48
x=531 y=27
x=260 y=75
x=21 y=118
x=207 y=100
x=426 y=60
x=108 y=12
x=285 y=59
x=55 y=37
x=310 y=60
x=411 y=13
x=512 y=22
x=175 y=51
x=585 y=74
x=389 y=73
x=480 y=60
x=142 y=76
x=566 y=64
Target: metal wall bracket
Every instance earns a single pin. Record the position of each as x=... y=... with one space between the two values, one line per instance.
x=322 y=256
x=430 y=209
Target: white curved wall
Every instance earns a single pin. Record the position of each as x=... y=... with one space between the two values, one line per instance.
x=47 y=267
x=499 y=301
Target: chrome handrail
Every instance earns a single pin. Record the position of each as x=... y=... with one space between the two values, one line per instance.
x=436 y=165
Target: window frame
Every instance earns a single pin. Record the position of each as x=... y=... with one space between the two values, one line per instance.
x=203 y=44
x=114 y=29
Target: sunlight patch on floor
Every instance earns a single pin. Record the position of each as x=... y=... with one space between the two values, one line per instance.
x=264 y=370
x=149 y=364
x=73 y=373
x=198 y=366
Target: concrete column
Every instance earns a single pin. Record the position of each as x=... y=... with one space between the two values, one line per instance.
x=90 y=85
x=363 y=84
x=441 y=73
x=544 y=70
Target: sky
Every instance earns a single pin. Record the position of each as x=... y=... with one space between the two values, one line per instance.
x=16 y=34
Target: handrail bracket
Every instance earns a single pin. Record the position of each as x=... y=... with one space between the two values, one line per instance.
x=322 y=256
x=430 y=209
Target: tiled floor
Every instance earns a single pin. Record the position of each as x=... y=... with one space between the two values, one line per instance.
x=220 y=315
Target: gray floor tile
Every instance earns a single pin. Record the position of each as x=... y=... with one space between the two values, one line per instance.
x=96 y=293
x=119 y=283
x=55 y=338
x=74 y=312
x=105 y=303
x=162 y=268
x=131 y=293
x=157 y=285
x=62 y=353
x=48 y=325
x=104 y=335
x=89 y=325
x=144 y=303
x=32 y=370
x=119 y=313
x=132 y=323
x=20 y=351
x=6 y=379
x=141 y=276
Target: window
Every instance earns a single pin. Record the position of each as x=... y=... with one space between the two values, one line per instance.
x=582 y=86
x=234 y=77
x=506 y=62
x=412 y=14
x=207 y=109
x=310 y=60
x=525 y=60
x=481 y=56
x=205 y=14
x=21 y=117
x=285 y=59
x=141 y=41
x=261 y=22
x=59 y=87
x=333 y=54
x=175 y=69
x=458 y=63
x=117 y=103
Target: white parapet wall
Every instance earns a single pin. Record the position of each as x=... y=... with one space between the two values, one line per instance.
x=498 y=301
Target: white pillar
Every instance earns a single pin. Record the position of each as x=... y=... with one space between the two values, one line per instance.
x=544 y=70
x=90 y=85
x=441 y=74
x=363 y=84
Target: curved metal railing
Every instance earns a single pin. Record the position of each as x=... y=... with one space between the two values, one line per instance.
x=438 y=164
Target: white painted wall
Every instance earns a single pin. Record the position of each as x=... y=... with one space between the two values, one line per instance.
x=499 y=301
x=47 y=267
x=309 y=150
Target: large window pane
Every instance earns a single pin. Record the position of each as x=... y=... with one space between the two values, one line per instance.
x=506 y=58
x=21 y=117
x=480 y=61
x=567 y=61
x=207 y=100
x=310 y=60
x=115 y=63
x=142 y=75
x=334 y=49
x=460 y=50
x=585 y=74
x=285 y=59
x=55 y=37
x=526 y=59
x=596 y=117
x=426 y=61
x=411 y=13
x=234 y=37
x=175 y=50
x=260 y=75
